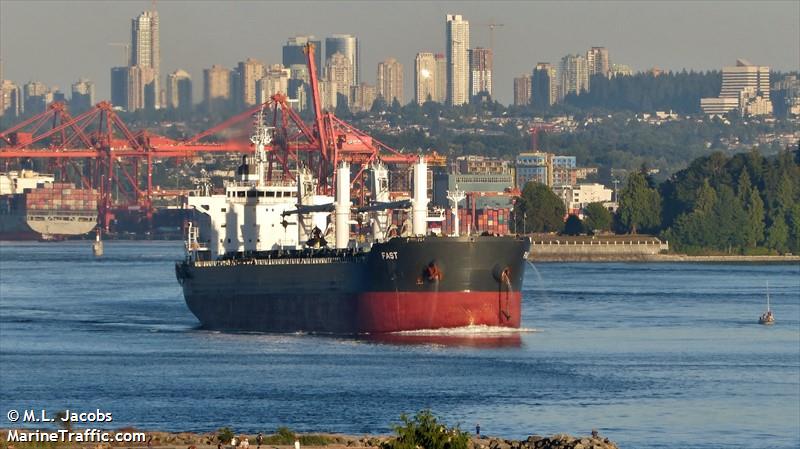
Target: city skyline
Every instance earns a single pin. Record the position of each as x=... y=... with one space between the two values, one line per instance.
x=767 y=33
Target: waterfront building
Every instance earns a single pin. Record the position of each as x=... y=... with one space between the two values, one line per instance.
x=216 y=87
x=573 y=76
x=425 y=81
x=491 y=183
x=390 y=80
x=346 y=44
x=522 y=90
x=82 y=95
x=544 y=88
x=294 y=53
x=473 y=164
x=457 y=45
x=746 y=83
x=532 y=167
x=179 y=90
x=597 y=62
x=480 y=69
x=145 y=50
x=577 y=197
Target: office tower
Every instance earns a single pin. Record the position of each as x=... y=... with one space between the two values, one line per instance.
x=10 y=99
x=522 y=90
x=275 y=80
x=294 y=53
x=250 y=71
x=34 y=95
x=297 y=86
x=339 y=70
x=132 y=88
x=745 y=87
x=363 y=96
x=425 y=78
x=119 y=87
x=216 y=87
x=597 y=62
x=390 y=80
x=574 y=76
x=82 y=95
x=457 y=45
x=179 y=90
x=441 y=78
x=544 y=85
x=480 y=71
x=346 y=44
x=145 y=49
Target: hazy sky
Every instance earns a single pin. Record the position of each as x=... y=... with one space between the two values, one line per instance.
x=59 y=41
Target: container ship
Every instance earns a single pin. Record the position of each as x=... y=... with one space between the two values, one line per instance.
x=281 y=257
x=35 y=207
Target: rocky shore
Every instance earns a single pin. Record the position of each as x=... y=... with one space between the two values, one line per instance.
x=187 y=440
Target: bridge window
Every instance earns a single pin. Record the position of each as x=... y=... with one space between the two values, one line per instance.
x=240 y=194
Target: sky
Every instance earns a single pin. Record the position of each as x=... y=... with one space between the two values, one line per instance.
x=57 y=42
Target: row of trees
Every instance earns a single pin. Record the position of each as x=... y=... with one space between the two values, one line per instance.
x=741 y=204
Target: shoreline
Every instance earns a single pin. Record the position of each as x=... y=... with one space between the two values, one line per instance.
x=208 y=440
x=662 y=258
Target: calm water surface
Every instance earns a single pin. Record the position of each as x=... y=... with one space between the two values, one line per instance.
x=652 y=355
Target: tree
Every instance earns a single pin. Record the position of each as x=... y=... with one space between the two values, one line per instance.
x=639 y=205
x=778 y=234
x=538 y=209
x=573 y=225
x=597 y=218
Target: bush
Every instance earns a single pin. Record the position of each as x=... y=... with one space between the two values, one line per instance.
x=284 y=436
x=225 y=435
x=424 y=431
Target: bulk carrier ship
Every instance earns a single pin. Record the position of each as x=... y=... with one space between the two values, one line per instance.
x=296 y=255
x=278 y=257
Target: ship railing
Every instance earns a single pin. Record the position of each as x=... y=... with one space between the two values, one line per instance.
x=282 y=261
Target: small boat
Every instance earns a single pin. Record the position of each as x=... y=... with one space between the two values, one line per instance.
x=767 y=318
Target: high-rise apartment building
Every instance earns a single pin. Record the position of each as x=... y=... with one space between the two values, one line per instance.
x=544 y=85
x=145 y=49
x=275 y=80
x=480 y=71
x=390 y=80
x=133 y=88
x=346 y=44
x=34 y=97
x=744 y=87
x=457 y=45
x=250 y=71
x=339 y=70
x=216 y=87
x=362 y=97
x=597 y=61
x=425 y=81
x=294 y=53
x=10 y=99
x=179 y=90
x=574 y=76
x=441 y=78
x=82 y=98
x=522 y=90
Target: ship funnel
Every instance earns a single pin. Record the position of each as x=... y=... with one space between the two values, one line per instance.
x=342 y=223
x=419 y=208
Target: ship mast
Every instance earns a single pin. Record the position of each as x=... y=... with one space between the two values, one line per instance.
x=261 y=138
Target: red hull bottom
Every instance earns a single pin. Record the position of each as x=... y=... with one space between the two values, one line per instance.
x=400 y=311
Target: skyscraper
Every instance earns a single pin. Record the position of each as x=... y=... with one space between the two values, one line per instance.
x=425 y=77
x=522 y=90
x=250 y=71
x=293 y=52
x=179 y=90
x=82 y=95
x=480 y=70
x=457 y=45
x=597 y=62
x=390 y=80
x=145 y=48
x=346 y=44
x=275 y=80
x=573 y=76
x=10 y=99
x=34 y=94
x=119 y=87
x=544 y=87
x=216 y=87
x=339 y=71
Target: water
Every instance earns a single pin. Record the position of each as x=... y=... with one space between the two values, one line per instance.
x=652 y=355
